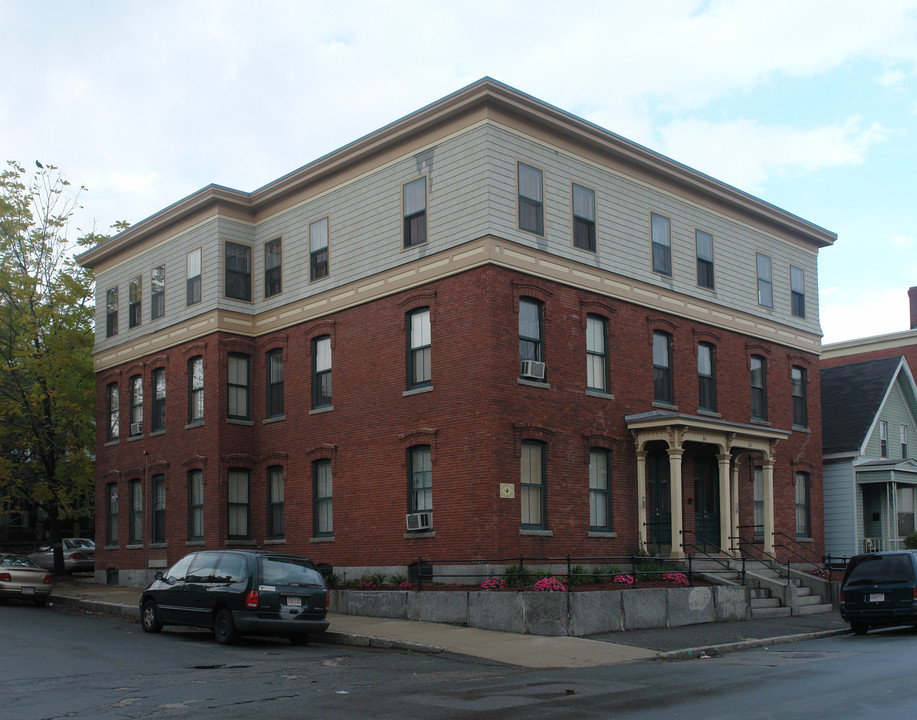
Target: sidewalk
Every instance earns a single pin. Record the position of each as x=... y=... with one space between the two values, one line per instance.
x=534 y=651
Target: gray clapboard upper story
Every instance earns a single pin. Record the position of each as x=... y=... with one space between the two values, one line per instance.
x=464 y=154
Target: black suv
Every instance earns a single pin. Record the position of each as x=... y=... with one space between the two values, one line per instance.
x=237 y=592
x=880 y=589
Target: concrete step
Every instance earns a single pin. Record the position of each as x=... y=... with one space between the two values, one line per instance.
x=814 y=609
x=764 y=603
x=809 y=600
x=761 y=613
x=757 y=593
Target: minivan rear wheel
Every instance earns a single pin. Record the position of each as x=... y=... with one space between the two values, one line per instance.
x=224 y=629
x=859 y=628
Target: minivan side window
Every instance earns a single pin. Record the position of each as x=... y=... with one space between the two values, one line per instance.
x=203 y=569
x=231 y=569
x=178 y=571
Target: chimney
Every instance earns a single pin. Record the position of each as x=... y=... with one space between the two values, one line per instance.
x=912 y=294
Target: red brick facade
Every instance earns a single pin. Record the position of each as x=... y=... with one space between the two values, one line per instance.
x=474 y=419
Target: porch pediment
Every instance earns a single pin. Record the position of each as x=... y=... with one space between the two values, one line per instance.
x=675 y=429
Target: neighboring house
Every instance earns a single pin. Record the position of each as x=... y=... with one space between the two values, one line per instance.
x=869 y=412
x=544 y=339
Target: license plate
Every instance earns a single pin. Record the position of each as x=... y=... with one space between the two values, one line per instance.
x=28 y=591
x=294 y=602
x=877 y=597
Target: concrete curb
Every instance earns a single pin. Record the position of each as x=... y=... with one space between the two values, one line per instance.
x=705 y=651
x=339 y=638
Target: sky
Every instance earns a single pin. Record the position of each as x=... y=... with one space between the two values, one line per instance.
x=810 y=105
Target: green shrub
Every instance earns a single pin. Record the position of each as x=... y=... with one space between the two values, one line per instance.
x=910 y=542
x=523 y=577
x=396 y=580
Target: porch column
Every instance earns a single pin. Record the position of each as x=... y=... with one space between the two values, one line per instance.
x=675 y=454
x=641 y=499
x=725 y=483
x=734 y=546
x=768 y=482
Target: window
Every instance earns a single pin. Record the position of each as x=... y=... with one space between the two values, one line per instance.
x=136 y=405
x=904 y=442
x=706 y=377
x=883 y=439
x=532 y=485
x=111 y=312
x=135 y=517
x=114 y=412
x=238 y=271
x=318 y=246
x=531 y=199
x=159 y=509
x=275 y=502
x=135 y=298
x=803 y=510
x=275 y=383
x=321 y=476
x=798 y=291
x=414 y=210
x=237 y=495
x=599 y=490
x=158 y=292
x=758 y=387
x=596 y=357
x=321 y=372
x=238 y=387
x=111 y=525
x=196 y=389
x=765 y=286
x=273 y=267
x=800 y=411
x=196 y=505
x=583 y=218
x=704 y=242
x=419 y=350
x=905 y=510
x=531 y=330
x=662 y=368
x=758 y=500
x=420 y=479
x=159 y=399
x=193 y=289
x=662 y=244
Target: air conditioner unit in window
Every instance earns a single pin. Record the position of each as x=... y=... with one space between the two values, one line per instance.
x=533 y=369
x=136 y=428
x=420 y=520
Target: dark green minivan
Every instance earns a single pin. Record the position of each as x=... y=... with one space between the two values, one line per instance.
x=238 y=592
x=880 y=590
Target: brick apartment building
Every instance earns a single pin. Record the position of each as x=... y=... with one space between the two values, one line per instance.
x=488 y=329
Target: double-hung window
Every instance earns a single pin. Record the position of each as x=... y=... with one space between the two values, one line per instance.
x=420 y=479
x=196 y=389
x=798 y=291
x=531 y=338
x=114 y=412
x=765 y=282
x=531 y=199
x=111 y=525
x=596 y=354
x=238 y=266
x=111 y=312
x=599 y=490
x=275 y=502
x=663 y=390
x=662 y=244
x=136 y=405
x=135 y=302
x=158 y=292
x=419 y=348
x=533 y=499
x=904 y=455
x=196 y=505
x=758 y=367
x=706 y=376
x=414 y=211
x=159 y=509
x=803 y=507
x=321 y=371
x=159 y=399
x=238 y=386
x=883 y=439
x=238 y=493
x=273 y=267
x=800 y=410
x=275 y=383
x=583 y=218
x=193 y=275
x=704 y=242
x=135 y=517
x=318 y=250
x=321 y=479
x=758 y=502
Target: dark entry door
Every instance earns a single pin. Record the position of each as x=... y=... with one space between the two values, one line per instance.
x=706 y=503
x=658 y=499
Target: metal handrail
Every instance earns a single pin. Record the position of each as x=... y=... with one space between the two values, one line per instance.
x=820 y=559
x=718 y=560
x=777 y=563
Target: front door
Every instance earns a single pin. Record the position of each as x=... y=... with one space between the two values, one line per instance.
x=658 y=501
x=706 y=503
